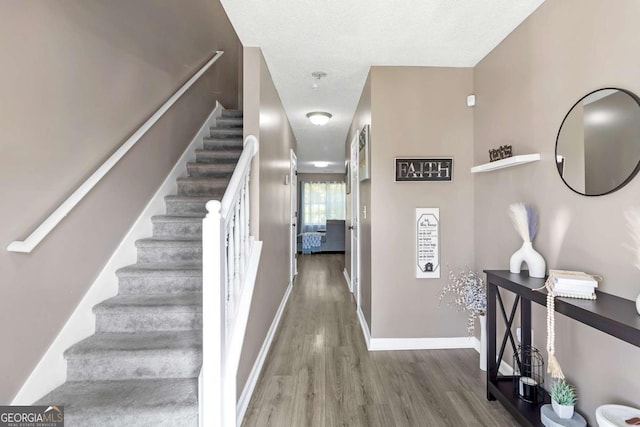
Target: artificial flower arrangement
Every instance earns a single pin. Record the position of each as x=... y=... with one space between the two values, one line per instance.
x=466 y=291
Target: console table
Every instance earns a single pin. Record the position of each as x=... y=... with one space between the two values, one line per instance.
x=608 y=313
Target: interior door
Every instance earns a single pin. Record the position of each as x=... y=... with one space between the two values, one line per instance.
x=354 y=228
x=293 y=181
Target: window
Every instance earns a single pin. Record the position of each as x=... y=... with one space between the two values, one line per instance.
x=321 y=201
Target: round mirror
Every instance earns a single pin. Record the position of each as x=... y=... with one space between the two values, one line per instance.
x=598 y=144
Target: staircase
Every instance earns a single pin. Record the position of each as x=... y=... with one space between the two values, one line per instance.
x=141 y=366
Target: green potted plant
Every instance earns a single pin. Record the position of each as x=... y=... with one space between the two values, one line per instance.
x=563 y=399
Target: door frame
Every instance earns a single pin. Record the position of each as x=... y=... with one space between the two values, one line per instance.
x=293 y=217
x=354 y=230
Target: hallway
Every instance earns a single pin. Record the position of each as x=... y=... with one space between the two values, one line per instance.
x=319 y=372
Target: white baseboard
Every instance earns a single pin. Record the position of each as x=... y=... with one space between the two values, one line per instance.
x=51 y=371
x=346 y=277
x=387 y=344
x=365 y=328
x=247 y=391
x=391 y=344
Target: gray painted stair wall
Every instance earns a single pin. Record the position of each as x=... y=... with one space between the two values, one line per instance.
x=140 y=368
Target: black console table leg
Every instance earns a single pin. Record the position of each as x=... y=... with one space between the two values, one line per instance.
x=492 y=368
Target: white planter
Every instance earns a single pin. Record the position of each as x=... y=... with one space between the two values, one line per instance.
x=483 y=341
x=563 y=411
x=528 y=255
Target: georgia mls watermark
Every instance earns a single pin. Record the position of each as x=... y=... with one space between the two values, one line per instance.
x=31 y=416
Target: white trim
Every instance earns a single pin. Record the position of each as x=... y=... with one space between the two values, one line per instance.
x=250 y=385
x=365 y=328
x=63 y=210
x=385 y=344
x=51 y=371
x=504 y=369
x=346 y=277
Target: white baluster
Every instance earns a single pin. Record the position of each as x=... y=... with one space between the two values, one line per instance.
x=231 y=303
x=247 y=223
x=236 y=236
x=243 y=236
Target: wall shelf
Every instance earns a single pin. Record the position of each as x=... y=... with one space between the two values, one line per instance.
x=506 y=163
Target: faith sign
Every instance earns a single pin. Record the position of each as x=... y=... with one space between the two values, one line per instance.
x=427 y=169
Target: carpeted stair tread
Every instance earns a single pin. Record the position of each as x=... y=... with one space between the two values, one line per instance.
x=234 y=145
x=151 y=402
x=232 y=113
x=217 y=132
x=210 y=169
x=204 y=179
x=140 y=312
x=162 y=269
x=175 y=218
x=167 y=243
x=202 y=186
x=218 y=157
x=190 y=205
x=229 y=122
x=135 y=342
x=187 y=302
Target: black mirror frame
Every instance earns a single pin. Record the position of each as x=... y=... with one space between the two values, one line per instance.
x=631 y=175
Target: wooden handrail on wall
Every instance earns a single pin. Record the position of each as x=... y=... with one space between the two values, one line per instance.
x=27 y=245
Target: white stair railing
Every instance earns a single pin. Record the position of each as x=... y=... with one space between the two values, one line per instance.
x=230 y=266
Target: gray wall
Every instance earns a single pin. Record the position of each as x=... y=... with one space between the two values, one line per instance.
x=273 y=205
x=78 y=79
x=524 y=87
x=418 y=111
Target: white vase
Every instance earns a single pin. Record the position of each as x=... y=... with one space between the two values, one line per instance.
x=563 y=411
x=483 y=341
x=528 y=255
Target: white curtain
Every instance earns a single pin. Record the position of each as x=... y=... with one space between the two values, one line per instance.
x=321 y=201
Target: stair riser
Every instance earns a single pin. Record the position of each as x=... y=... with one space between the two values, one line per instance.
x=187 y=417
x=194 y=209
x=135 y=322
x=218 y=157
x=157 y=285
x=178 y=230
x=169 y=254
x=229 y=123
x=201 y=189
x=232 y=113
x=232 y=144
x=214 y=171
x=183 y=363
x=225 y=133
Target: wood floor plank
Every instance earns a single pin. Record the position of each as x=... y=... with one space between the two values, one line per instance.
x=319 y=373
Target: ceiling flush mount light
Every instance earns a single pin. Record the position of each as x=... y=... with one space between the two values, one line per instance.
x=319 y=118
x=321 y=164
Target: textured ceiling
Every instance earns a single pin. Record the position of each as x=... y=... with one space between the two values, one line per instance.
x=345 y=38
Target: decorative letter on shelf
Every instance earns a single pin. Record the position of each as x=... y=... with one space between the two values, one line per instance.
x=427 y=243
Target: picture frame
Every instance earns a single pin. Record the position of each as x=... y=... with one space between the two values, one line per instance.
x=347 y=177
x=364 y=166
x=423 y=169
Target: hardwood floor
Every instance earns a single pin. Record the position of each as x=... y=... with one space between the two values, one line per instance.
x=319 y=372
